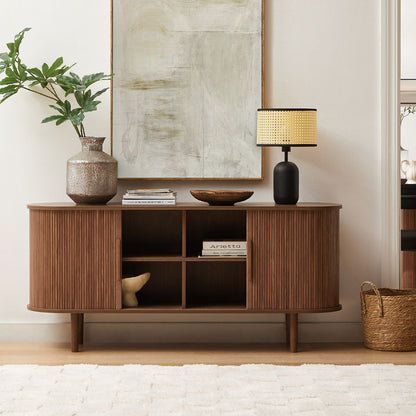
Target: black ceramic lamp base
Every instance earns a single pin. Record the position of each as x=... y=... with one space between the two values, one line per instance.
x=286 y=182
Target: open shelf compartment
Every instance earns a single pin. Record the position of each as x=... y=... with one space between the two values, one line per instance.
x=213 y=225
x=152 y=233
x=163 y=289
x=216 y=285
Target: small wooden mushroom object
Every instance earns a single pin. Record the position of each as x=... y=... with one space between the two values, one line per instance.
x=130 y=286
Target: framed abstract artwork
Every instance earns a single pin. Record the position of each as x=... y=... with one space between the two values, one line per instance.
x=188 y=81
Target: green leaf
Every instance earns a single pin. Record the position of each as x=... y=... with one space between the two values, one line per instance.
x=58 y=62
x=61 y=120
x=37 y=72
x=76 y=78
x=26 y=29
x=59 y=109
x=92 y=106
x=45 y=70
x=67 y=106
x=10 y=88
x=8 y=81
x=62 y=84
x=92 y=78
x=19 y=37
x=79 y=96
x=22 y=71
x=51 y=118
x=64 y=69
x=98 y=93
x=3 y=66
x=69 y=84
x=10 y=72
x=12 y=50
x=4 y=57
x=77 y=118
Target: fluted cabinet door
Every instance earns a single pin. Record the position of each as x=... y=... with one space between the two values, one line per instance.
x=75 y=259
x=294 y=259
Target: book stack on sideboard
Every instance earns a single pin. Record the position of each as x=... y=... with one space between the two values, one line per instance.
x=213 y=248
x=149 y=197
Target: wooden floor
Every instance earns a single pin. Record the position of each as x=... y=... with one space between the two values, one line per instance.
x=179 y=354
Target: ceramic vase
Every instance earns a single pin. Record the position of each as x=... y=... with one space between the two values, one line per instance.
x=91 y=175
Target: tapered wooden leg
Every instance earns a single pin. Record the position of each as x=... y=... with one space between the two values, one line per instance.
x=293 y=322
x=287 y=320
x=81 y=328
x=76 y=318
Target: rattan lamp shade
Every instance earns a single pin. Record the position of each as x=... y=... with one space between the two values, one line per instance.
x=286 y=127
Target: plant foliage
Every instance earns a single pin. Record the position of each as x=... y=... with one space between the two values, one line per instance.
x=45 y=80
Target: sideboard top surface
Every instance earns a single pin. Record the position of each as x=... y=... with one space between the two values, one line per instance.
x=69 y=206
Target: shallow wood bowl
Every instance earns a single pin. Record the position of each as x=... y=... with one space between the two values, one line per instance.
x=221 y=197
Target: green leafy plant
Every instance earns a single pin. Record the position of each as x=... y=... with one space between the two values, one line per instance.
x=46 y=80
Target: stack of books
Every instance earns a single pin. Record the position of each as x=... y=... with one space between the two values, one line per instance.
x=149 y=197
x=224 y=248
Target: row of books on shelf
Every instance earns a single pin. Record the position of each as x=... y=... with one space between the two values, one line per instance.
x=224 y=248
x=149 y=197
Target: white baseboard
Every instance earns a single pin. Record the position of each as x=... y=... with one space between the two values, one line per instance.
x=183 y=332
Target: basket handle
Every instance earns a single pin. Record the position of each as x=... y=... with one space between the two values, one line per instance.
x=377 y=292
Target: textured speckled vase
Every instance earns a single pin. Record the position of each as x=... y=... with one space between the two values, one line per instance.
x=91 y=175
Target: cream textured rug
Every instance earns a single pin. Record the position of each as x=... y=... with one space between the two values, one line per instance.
x=199 y=390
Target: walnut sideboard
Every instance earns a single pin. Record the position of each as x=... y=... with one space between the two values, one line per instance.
x=79 y=254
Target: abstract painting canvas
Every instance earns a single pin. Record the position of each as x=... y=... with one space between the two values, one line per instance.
x=187 y=84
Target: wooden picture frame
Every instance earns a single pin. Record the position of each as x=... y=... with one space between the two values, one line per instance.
x=188 y=80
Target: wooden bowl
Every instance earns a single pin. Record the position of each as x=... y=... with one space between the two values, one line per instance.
x=221 y=197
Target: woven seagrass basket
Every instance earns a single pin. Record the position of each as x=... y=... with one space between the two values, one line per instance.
x=388 y=318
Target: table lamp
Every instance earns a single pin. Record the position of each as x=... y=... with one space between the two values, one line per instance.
x=286 y=127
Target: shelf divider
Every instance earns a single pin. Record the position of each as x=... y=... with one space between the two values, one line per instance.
x=152 y=258
x=183 y=285
x=215 y=259
x=183 y=233
x=183 y=259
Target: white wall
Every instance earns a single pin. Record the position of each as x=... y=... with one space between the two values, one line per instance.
x=408 y=36
x=319 y=53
